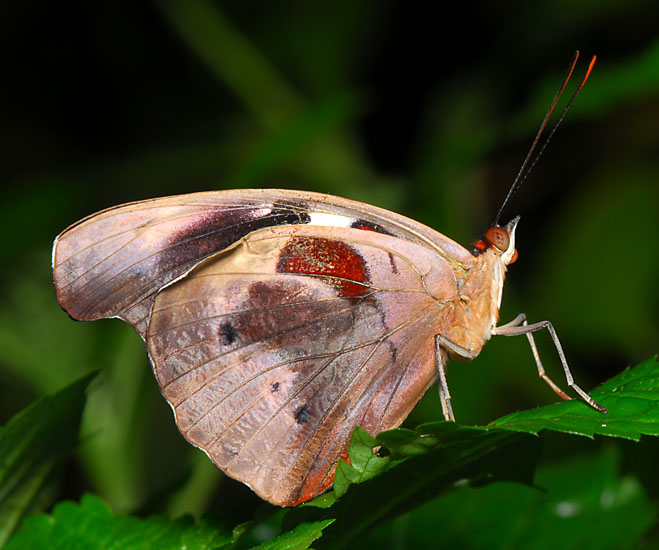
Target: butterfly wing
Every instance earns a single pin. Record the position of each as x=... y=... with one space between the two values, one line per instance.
x=276 y=321
x=113 y=263
x=271 y=352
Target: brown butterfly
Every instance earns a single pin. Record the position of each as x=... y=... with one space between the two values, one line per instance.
x=277 y=321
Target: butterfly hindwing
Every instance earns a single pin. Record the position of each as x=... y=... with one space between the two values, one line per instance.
x=271 y=352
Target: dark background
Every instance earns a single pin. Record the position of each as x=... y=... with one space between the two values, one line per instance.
x=423 y=108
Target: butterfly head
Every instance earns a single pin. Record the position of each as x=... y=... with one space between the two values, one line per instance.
x=499 y=241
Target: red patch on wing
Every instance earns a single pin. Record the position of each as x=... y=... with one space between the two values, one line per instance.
x=330 y=258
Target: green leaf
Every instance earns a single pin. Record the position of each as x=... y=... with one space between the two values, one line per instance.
x=298 y=538
x=91 y=524
x=33 y=445
x=326 y=500
x=364 y=463
x=631 y=397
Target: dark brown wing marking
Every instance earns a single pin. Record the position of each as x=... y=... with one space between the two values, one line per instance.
x=184 y=384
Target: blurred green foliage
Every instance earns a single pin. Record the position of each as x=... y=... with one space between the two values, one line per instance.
x=377 y=101
x=33 y=447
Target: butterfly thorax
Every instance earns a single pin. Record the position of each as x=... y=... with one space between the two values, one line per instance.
x=475 y=308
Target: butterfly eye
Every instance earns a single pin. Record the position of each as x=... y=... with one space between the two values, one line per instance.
x=498 y=237
x=514 y=258
x=479 y=245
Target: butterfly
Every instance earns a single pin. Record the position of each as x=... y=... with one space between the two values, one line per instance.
x=276 y=321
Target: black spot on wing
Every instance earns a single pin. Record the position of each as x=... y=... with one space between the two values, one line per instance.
x=274 y=387
x=228 y=334
x=302 y=414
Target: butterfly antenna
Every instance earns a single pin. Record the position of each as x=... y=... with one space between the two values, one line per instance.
x=523 y=173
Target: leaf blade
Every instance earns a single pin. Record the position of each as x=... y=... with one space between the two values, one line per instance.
x=91 y=524
x=632 y=398
x=33 y=444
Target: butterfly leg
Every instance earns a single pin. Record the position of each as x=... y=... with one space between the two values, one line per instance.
x=455 y=348
x=442 y=385
x=521 y=320
x=440 y=365
x=514 y=329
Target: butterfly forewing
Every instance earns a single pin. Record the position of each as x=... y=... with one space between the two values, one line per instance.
x=271 y=352
x=112 y=264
